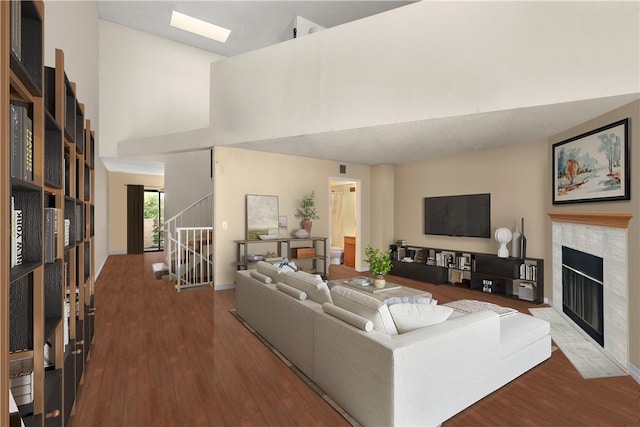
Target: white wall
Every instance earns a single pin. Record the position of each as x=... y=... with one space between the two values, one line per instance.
x=187 y=178
x=413 y=63
x=149 y=86
x=73 y=27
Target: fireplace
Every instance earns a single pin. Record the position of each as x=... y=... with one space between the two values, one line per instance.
x=605 y=237
x=582 y=291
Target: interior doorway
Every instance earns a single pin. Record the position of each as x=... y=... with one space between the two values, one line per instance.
x=153 y=218
x=344 y=221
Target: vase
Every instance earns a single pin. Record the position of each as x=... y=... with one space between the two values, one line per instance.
x=306 y=224
x=379 y=281
x=503 y=236
x=515 y=243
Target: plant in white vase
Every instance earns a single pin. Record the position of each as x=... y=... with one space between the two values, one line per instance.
x=379 y=264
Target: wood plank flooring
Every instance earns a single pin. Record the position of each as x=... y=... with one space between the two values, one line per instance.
x=162 y=358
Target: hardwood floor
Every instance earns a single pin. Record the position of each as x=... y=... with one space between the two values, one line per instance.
x=160 y=358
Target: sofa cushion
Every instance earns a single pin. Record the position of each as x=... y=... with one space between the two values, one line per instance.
x=290 y=290
x=269 y=270
x=365 y=306
x=312 y=285
x=520 y=330
x=408 y=317
x=349 y=317
x=260 y=277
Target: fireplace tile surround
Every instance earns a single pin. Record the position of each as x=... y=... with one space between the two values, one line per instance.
x=610 y=243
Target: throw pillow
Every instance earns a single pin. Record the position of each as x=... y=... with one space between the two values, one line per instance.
x=314 y=287
x=408 y=317
x=349 y=317
x=268 y=270
x=261 y=277
x=410 y=300
x=297 y=294
x=366 y=306
x=286 y=265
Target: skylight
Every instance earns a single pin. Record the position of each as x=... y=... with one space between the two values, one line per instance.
x=199 y=27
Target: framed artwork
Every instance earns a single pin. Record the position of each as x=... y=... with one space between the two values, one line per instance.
x=262 y=216
x=592 y=167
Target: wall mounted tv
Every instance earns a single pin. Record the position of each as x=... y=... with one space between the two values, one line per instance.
x=464 y=216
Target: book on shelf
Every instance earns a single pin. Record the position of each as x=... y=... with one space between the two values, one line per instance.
x=21 y=387
x=21 y=136
x=16 y=28
x=50 y=234
x=28 y=149
x=16 y=235
x=67 y=229
x=17 y=149
x=528 y=272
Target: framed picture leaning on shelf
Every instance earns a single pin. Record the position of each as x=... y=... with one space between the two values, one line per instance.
x=592 y=167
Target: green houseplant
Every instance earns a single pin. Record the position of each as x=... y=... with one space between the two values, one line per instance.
x=379 y=264
x=306 y=210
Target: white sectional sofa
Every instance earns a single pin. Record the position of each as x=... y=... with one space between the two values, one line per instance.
x=380 y=377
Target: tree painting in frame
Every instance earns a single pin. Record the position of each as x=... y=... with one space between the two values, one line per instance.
x=262 y=216
x=592 y=167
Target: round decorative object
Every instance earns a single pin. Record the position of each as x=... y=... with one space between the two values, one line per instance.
x=301 y=234
x=254 y=257
x=379 y=281
x=503 y=236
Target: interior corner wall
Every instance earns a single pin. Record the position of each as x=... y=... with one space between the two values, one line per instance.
x=118 y=205
x=187 y=178
x=382 y=206
x=631 y=111
x=149 y=86
x=238 y=172
x=515 y=175
x=72 y=26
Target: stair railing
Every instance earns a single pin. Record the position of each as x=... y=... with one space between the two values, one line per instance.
x=188 y=230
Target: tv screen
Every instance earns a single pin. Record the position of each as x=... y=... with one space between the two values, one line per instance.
x=464 y=216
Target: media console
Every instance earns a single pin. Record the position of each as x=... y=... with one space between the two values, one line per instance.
x=521 y=278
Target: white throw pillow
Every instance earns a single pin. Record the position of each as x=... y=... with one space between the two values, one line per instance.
x=289 y=290
x=349 y=317
x=366 y=306
x=408 y=317
x=313 y=286
x=269 y=270
x=260 y=277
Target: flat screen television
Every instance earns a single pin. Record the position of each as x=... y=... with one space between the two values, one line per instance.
x=464 y=216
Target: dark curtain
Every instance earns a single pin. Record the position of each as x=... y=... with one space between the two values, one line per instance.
x=135 y=224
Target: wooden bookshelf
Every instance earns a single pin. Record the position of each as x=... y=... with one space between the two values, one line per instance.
x=47 y=175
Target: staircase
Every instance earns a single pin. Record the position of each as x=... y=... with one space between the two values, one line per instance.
x=189 y=245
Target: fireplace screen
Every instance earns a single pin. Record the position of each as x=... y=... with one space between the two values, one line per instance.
x=582 y=291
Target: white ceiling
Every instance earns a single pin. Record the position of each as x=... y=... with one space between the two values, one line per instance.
x=258 y=24
x=253 y=24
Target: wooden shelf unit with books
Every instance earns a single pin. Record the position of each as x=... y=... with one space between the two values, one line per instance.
x=43 y=350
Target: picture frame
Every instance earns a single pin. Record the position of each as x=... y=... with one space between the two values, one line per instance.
x=262 y=216
x=593 y=166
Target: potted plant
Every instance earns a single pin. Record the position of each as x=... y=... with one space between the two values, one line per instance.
x=379 y=264
x=306 y=210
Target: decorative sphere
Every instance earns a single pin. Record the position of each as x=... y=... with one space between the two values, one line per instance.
x=301 y=234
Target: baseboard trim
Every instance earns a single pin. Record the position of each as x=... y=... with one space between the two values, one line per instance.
x=635 y=372
x=225 y=287
x=117 y=252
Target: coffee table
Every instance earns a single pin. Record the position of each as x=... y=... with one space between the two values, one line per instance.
x=390 y=290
